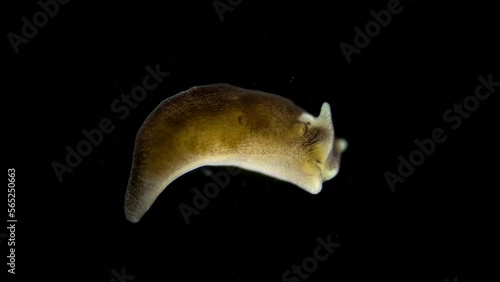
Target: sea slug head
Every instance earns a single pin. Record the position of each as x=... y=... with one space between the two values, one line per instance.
x=320 y=151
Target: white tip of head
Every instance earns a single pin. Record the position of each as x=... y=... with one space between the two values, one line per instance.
x=315 y=191
x=313 y=185
x=325 y=113
x=341 y=144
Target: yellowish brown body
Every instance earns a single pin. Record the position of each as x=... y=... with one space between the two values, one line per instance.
x=223 y=125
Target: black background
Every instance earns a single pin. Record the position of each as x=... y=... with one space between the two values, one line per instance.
x=395 y=91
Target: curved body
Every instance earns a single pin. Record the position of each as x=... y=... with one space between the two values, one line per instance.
x=223 y=125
